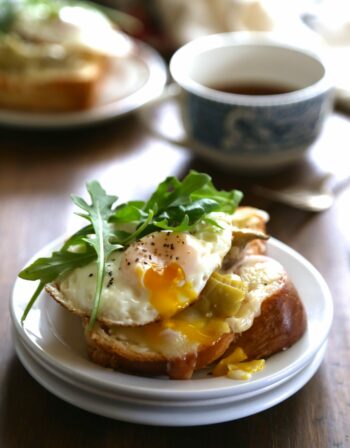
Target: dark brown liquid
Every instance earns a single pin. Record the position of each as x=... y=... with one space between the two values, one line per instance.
x=254 y=88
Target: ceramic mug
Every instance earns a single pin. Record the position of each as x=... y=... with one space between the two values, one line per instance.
x=250 y=131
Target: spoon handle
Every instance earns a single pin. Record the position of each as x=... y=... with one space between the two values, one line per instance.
x=341 y=185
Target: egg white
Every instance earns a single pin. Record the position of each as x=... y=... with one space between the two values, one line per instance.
x=125 y=300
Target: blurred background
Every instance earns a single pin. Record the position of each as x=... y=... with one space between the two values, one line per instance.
x=166 y=25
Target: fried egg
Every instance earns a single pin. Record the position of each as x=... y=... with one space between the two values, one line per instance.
x=257 y=276
x=155 y=277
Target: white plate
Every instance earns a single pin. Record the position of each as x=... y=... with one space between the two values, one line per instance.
x=153 y=414
x=131 y=82
x=56 y=336
x=108 y=393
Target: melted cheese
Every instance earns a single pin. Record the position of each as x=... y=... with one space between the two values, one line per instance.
x=203 y=323
x=263 y=276
x=172 y=337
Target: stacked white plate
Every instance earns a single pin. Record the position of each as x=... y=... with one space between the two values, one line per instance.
x=51 y=346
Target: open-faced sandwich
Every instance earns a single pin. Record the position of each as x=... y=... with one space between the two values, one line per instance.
x=174 y=284
x=54 y=54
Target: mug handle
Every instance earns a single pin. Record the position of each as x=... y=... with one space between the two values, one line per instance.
x=170 y=92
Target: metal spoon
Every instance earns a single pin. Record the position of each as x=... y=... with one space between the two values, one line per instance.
x=316 y=198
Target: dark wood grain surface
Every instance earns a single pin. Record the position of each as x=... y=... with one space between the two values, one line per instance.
x=38 y=171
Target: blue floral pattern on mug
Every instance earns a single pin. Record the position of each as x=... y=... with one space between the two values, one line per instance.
x=234 y=129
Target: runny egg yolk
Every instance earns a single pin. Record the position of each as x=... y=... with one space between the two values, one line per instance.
x=169 y=291
x=199 y=331
x=237 y=367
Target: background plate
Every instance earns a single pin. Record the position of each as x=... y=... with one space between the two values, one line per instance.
x=130 y=83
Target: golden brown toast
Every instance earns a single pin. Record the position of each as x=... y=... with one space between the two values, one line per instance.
x=59 y=91
x=270 y=318
x=119 y=355
x=280 y=321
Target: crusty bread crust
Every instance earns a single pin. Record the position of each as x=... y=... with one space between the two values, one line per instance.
x=63 y=91
x=55 y=293
x=120 y=355
x=281 y=323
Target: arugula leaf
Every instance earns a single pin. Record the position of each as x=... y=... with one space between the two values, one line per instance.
x=176 y=206
x=99 y=213
x=159 y=199
x=78 y=238
x=130 y=212
x=7 y=15
x=48 y=269
x=179 y=206
x=192 y=183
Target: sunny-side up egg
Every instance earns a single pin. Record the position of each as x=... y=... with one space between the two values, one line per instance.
x=254 y=279
x=155 y=277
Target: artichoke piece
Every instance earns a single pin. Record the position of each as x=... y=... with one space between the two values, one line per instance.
x=240 y=239
x=222 y=295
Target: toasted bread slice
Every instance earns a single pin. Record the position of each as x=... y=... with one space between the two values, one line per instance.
x=46 y=77
x=281 y=323
x=271 y=315
x=244 y=239
x=53 y=91
x=110 y=352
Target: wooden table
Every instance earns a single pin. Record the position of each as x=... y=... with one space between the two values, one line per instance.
x=38 y=171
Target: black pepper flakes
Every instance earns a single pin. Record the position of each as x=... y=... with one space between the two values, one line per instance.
x=110 y=283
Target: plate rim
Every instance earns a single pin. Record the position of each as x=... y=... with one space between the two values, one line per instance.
x=219 y=414
x=126 y=397
x=175 y=393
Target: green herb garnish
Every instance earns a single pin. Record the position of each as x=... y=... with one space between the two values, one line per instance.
x=7 y=15
x=175 y=206
x=41 y=10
